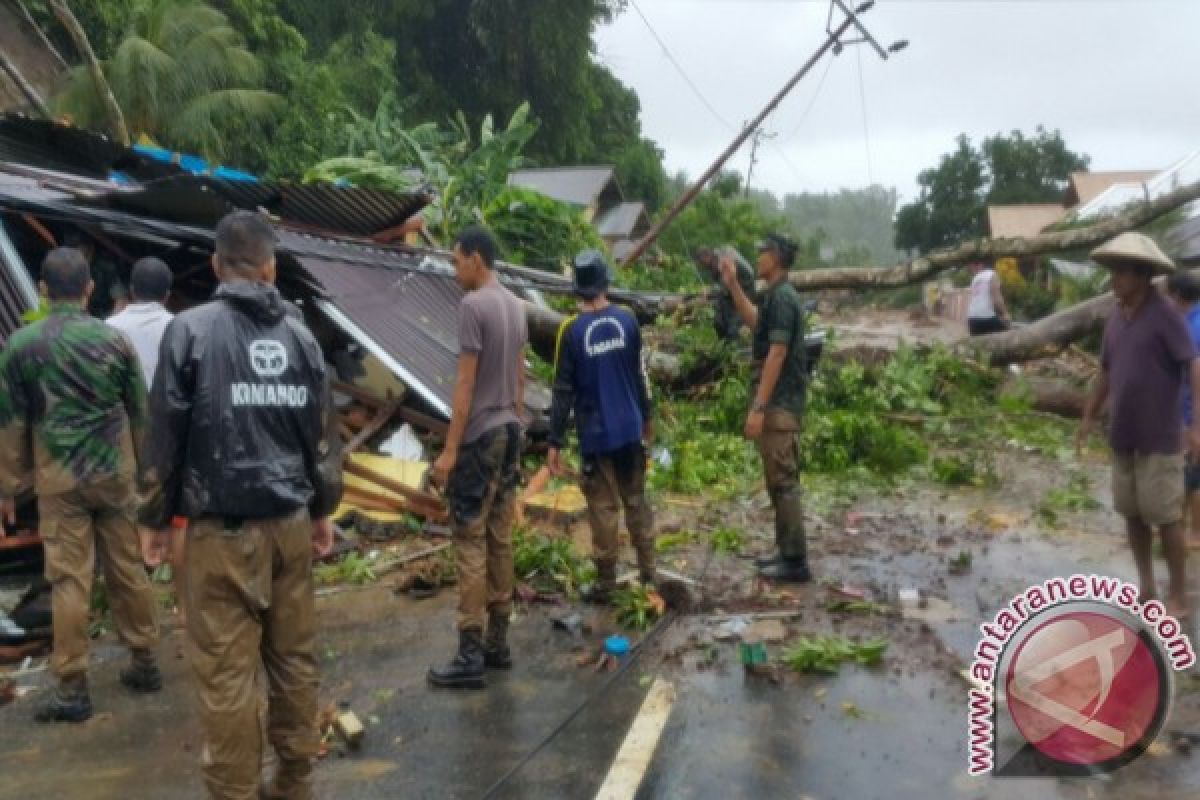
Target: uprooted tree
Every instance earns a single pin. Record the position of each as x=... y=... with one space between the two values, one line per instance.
x=1042 y=337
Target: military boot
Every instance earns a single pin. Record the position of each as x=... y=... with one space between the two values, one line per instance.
x=792 y=564
x=647 y=572
x=465 y=670
x=70 y=702
x=496 y=653
x=600 y=592
x=142 y=675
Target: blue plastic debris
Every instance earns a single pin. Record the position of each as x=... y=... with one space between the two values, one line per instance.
x=616 y=646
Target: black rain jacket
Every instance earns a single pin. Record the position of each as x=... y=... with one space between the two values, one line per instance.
x=241 y=419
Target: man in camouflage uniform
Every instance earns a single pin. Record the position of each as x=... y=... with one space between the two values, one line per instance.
x=72 y=407
x=725 y=314
x=774 y=418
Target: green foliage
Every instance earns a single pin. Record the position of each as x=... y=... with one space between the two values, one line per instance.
x=537 y=230
x=182 y=76
x=856 y=607
x=550 y=564
x=728 y=540
x=469 y=171
x=354 y=568
x=1004 y=169
x=666 y=542
x=637 y=607
x=963 y=469
x=1075 y=496
x=826 y=654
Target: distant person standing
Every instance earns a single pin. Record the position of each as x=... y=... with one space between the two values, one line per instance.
x=72 y=409
x=986 y=311
x=1146 y=358
x=146 y=318
x=1184 y=290
x=478 y=465
x=599 y=375
x=725 y=316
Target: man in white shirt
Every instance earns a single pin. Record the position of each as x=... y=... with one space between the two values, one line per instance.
x=145 y=319
x=986 y=312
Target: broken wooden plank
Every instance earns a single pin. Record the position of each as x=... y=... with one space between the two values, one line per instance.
x=373 y=426
x=430 y=504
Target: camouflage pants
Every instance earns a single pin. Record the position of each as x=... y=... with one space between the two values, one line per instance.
x=250 y=613
x=482 y=495
x=77 y=527
x=780 y=453
x=611 y=481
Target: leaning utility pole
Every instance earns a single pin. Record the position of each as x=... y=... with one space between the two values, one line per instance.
x=833 y=42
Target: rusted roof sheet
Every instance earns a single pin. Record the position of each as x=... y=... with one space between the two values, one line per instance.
x=203 y=200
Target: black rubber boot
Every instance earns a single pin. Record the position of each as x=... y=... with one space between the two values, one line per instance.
x=67 y=704
x=770 y=560
x=465 y=670
x=600 y=592
x=496 y=654
x=143 y=677
x=787 y=570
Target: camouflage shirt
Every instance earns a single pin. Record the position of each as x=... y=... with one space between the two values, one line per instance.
x=72 y=404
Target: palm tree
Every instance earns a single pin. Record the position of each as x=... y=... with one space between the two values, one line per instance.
x=181 y=75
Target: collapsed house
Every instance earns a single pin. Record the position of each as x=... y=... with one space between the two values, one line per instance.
x=385 y=316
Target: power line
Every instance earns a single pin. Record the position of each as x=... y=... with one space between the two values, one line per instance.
x=812 y=102
x=679 y=68
x=862 y=95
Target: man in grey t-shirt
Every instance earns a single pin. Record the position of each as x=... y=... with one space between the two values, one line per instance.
x=1146 y=357
x=478 y=466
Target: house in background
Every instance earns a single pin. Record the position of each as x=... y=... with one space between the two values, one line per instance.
x=595 y=191
x=622 y=227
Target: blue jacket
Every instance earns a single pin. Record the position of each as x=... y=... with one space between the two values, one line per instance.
x=1193 y=323
x=599 y=374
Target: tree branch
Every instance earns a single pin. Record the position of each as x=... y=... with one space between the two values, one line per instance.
x=115 y=118
x=941 y=260
x=26 y=88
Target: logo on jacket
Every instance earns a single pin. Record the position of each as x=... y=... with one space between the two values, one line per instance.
x=268 y=358
x=603 y=336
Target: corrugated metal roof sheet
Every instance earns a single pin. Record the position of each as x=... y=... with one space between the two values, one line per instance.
x=413 y=316
x=47 y=144
x=203 y=200
x=17 y=294
x=1184 y=241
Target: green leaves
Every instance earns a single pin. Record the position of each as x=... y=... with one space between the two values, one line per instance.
x=826 y=654
x=550 y=564
x=637 y=607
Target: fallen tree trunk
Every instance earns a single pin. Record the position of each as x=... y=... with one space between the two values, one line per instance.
x=941 y=260
x=1046 y=337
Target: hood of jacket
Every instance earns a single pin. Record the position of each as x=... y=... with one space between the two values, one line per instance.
x=261 y=301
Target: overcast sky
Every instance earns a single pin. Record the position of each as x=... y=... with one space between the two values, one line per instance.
x=1120 y=78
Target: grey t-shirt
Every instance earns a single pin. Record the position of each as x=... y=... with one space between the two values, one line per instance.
x=491 y=322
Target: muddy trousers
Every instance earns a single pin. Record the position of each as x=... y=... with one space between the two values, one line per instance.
x=77 y=527
x=250 y=614
x=482 y=495
x=610 y=481
x=780 y=453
